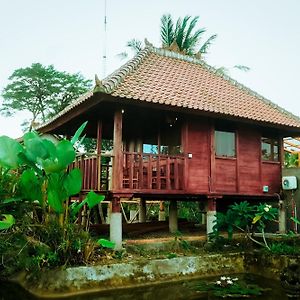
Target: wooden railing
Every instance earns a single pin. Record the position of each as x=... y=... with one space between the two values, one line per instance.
x=153 y=171
x=140 y=171
x=96 y=174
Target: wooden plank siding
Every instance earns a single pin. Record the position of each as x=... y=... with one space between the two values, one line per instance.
x=198 y=167
x=249 y=158
x=200 y=173
x=245 y=174
x=226 y=175
x=271 y=176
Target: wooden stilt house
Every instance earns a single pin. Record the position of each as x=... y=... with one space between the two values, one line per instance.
x=179 y=130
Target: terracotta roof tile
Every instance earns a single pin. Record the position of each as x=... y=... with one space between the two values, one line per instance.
x=169 y=78
x=166 y=77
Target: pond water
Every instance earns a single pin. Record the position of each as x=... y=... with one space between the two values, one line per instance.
x=173 y=291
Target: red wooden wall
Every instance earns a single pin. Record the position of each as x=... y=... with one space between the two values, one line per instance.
x=198 y=167
x=245 y=175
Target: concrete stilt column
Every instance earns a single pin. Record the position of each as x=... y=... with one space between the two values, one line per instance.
x=173 y=221
x=116 y=224
x=161 y=213
x=202 y=219
x=210 y=215
x=107 y=220
x=142 y=211
x=282 y=217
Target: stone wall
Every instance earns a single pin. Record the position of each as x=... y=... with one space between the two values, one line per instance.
x=123 y=275
x=87 y=279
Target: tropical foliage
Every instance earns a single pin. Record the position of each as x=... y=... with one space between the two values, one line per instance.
x=182 y=37
x=41 y=90
x=247 y=219
x=35 y=215
x=290 y=160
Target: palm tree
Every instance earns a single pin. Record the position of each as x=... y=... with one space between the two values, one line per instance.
x=182 y=37
x=134 y=45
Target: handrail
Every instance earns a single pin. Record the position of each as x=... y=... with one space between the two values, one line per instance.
x=141 y=171
x=153 y=171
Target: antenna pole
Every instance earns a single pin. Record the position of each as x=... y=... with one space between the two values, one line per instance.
x=104 y=59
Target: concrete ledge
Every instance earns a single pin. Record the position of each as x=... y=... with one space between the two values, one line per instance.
x=87 y=279
x=78 y=280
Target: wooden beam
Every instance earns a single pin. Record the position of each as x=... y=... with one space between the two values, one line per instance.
x=117 y=176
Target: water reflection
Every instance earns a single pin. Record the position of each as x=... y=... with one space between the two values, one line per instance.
x=172 y=291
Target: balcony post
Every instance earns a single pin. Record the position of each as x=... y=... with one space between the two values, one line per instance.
x=117 y=175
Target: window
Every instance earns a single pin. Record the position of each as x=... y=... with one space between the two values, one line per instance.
x=269 y=149
x=225 y=143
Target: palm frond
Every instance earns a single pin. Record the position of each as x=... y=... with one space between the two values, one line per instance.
x=222 y=70
x=194 y=41
x=207 y=44
x=135 y=45
x=122 y=55
x=189 y=37
x=166 y=30
x=181 y=31
x=242 y=68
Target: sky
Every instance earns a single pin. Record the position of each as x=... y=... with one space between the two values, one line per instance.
x=261 y=34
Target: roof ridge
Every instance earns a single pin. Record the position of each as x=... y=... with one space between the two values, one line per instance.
x=113 y=80
x=191 y=59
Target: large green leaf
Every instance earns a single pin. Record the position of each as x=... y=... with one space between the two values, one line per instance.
x=29 y=135
x=35 y=147
x=55 y=201
x=65 y=153
x=106 y=243
x=9 y=150
x=61 y=157
x=78 y=133
x=6 y=221
x=50 y=146
x=26 y=161
x=93 y=199
x=51 y=166
x=31 y=186
x=56 y=193
x=75 y=208
x=73 y=182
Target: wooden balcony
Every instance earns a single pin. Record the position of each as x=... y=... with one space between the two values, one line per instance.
x=96 y=172
x=140 y=171
x=153 y=171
